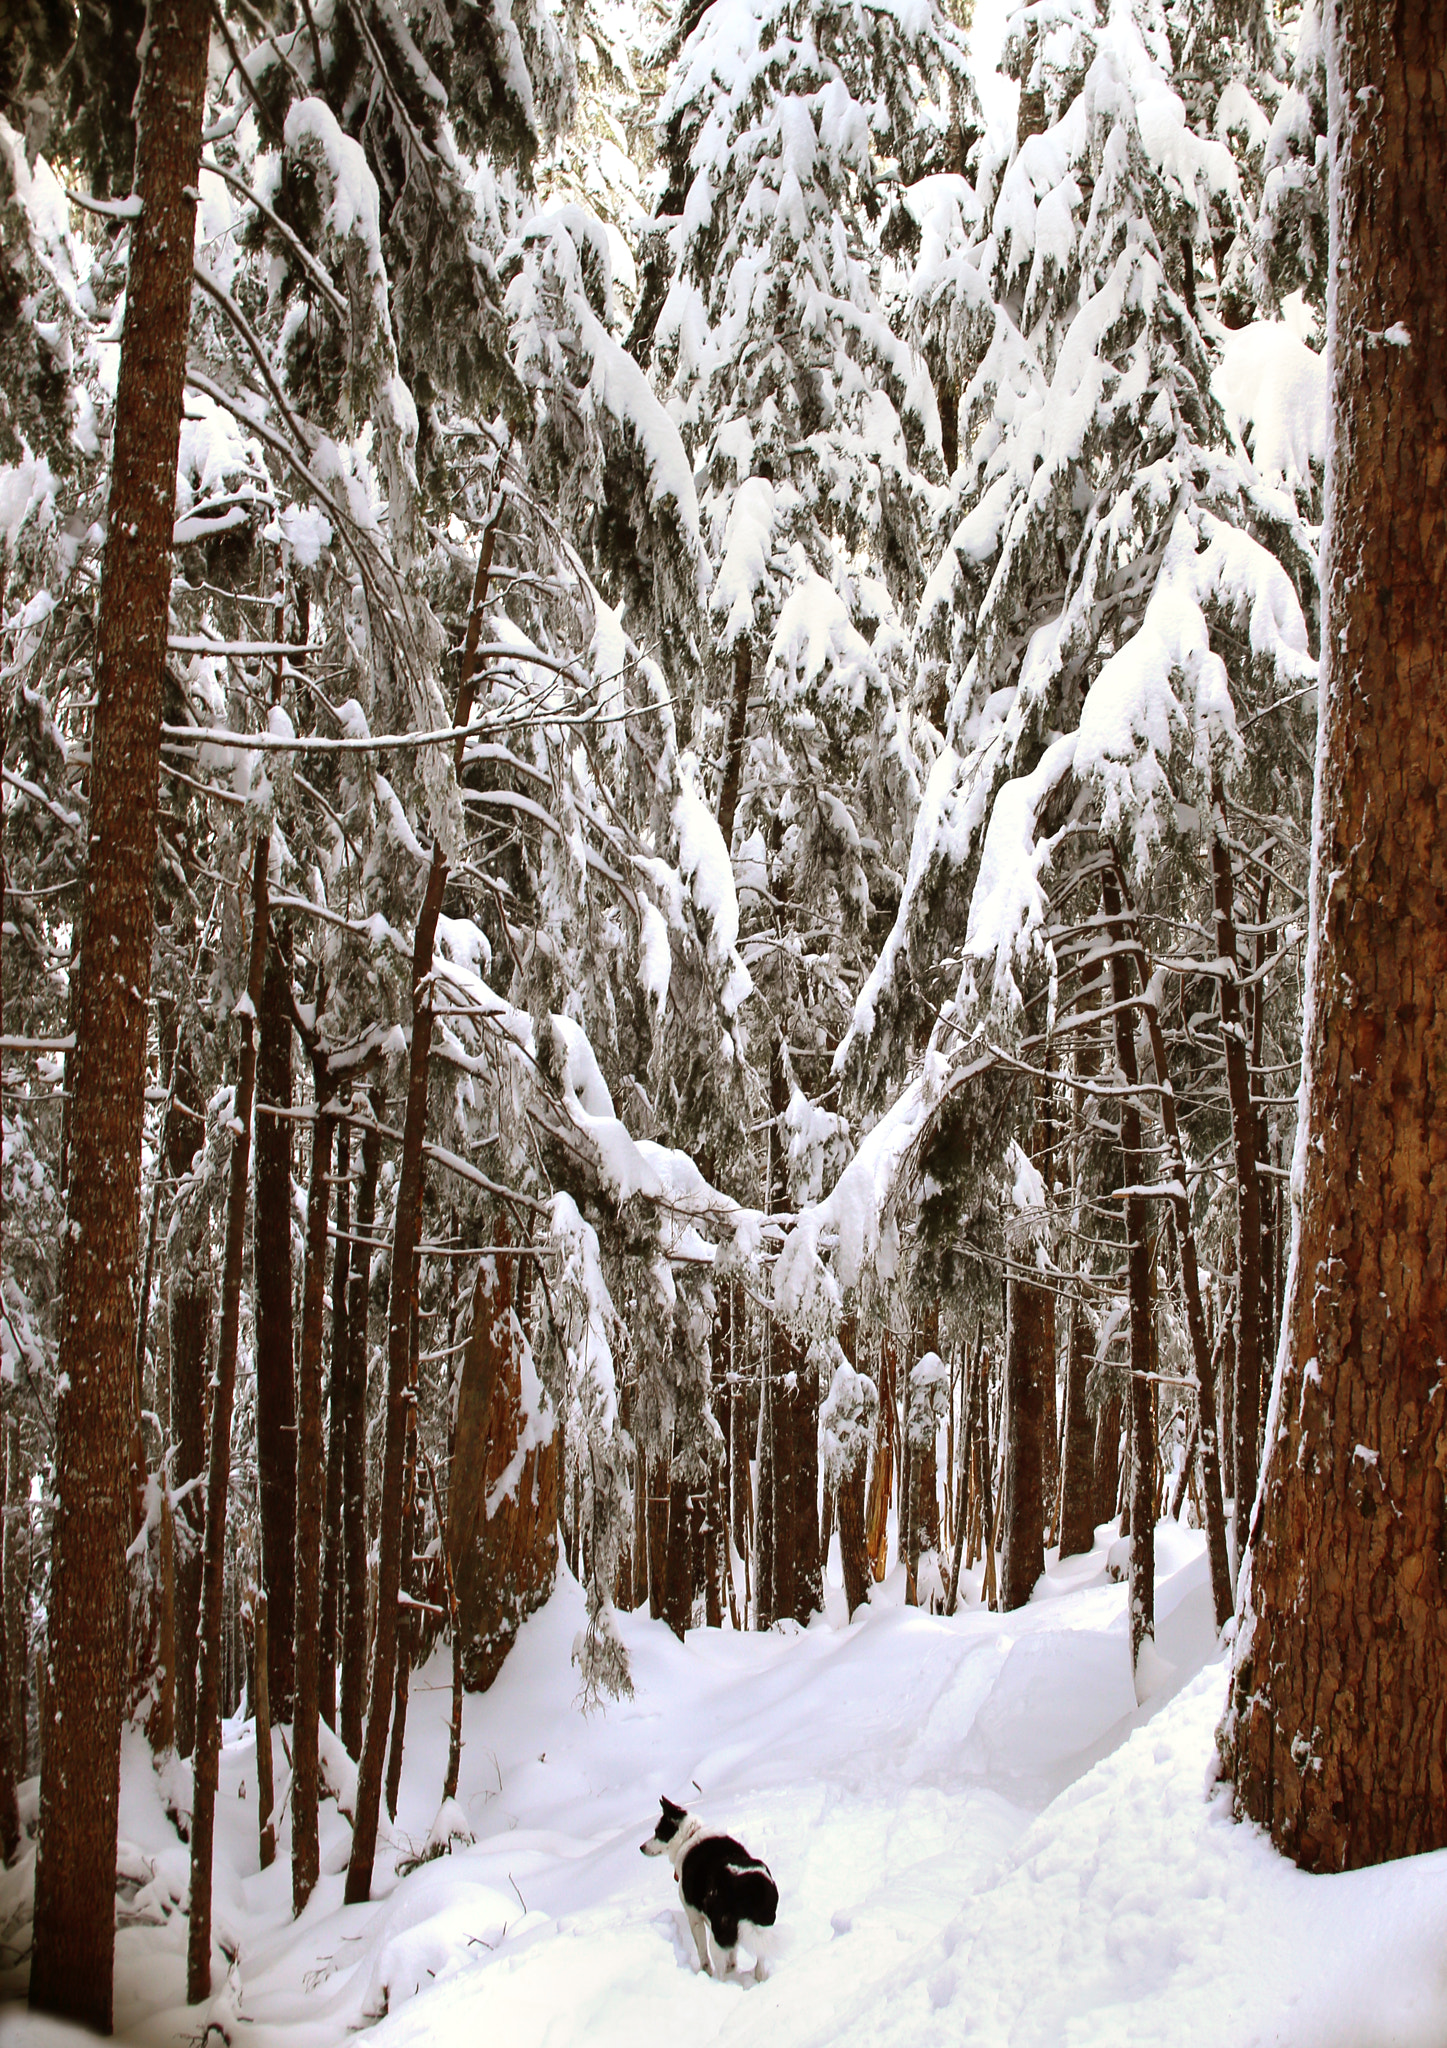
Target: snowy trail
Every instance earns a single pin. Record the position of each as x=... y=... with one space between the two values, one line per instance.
x=977 y=1834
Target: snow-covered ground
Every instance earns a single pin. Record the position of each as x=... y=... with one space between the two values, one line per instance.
x=977 y=1834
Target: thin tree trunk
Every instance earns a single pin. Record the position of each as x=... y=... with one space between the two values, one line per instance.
x=305 y=1738
x=1138 y=1267
x=354 y=1443
x=728 y=796
x=188 y=1256
x=9 y=1807
x=1248 y=1186
x=276 y=1440
x=678 y=1571
x=1204 y=1365
x=15 y=1592
x=1029 y=1360
x=1338 y=1721
x=336 y=1431
x=406 y=1234
x=265 y=1785
x=213 y=1569
x=407 y=1619
x=74 y=1926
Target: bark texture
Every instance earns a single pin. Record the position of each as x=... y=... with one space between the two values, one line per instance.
x=106 y=1074
x=501 y=1538
x=190 y=1344
x=275 y=1373
x=1336 y=1734
x=354 y=1448
x=305 y=1794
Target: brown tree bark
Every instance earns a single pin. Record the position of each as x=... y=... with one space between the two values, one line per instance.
x=1029 y=1340
x=336 y=1432
x=1336 y=1736
x=213 y=1631
x=190 y=1344
x=74 y=1929
x=14 y=1585
x=354 y=1444
x=1077 y=1483
x=276 y=1445
x=305 y=1737
x=502 y=1547
x=1203 y=1363
x=265 y=1783
x=406 y=1234
x=407 y=1619
x=1248 y=1184
x=1140 y=1406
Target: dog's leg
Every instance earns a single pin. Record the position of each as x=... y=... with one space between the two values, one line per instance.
x=730 y=1961
x=761 y=1969
x=699 y=1929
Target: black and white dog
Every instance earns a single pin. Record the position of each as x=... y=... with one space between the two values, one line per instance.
x=727 y=1893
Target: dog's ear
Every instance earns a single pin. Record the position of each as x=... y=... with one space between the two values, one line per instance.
x=672 y=1812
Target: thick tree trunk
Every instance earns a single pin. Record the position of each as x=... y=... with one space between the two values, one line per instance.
x=1077 y=1483
x=305 y=1739
x=276 y=1446
x=1337 y=1731
x=1248 y=1185
x=1029 y=1343
x=74 y=1929
x=213 y=1569
x=881 y=1471
x=336 y=1433
x=265 y=1785
x=354 y=1444
x=501 y=1520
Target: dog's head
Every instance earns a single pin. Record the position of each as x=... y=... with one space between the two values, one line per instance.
x=669 y=1822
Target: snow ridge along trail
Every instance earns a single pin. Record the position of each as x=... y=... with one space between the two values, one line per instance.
x=978 y=1836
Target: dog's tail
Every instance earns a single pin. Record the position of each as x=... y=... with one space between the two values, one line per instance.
x=768 y=1942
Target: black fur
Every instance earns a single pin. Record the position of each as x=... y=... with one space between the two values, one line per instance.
x=721 y=1880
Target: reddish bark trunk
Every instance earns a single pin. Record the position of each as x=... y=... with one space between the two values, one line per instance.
x=354 y=1444
x=305 y=1792
x=74 y=1928
x=276 y=1446
x=1337 y=1733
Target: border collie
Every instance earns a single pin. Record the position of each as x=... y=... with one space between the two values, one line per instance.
x=727 y=1893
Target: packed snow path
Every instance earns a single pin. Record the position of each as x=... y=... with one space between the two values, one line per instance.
x=977 y=1834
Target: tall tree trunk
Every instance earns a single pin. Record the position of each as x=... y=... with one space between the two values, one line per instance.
x=213 y=1569
x=1140 y=1405
x=407 y=1620
x=74 y=1929
x=406 y=1234
x=189 y=1343
x=14 y=1590
x=354 y=1443
x=261 y=1705
x=1029 y=1361
x=276 y=1445
x=1204 y=1365
x=305 y=1738
x=336 y=1409
x=1248 y=1186
x=1335 y=1736
x=808 y=1587
x=765 y=1612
